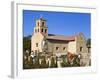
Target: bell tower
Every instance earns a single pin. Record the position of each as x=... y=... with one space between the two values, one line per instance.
x=40 y=32
x=41 y=27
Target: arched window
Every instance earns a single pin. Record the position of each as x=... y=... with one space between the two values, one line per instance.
x=35 y=30
x=45 y=30
x=38 y=23
x=64 y=48
x=38 y=30
x=41 y=30
x=42 y=23
x=81 y=49
x=57 y=48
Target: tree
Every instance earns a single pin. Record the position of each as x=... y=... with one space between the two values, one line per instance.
x=63 y=64
x=43 y=63
x=36 y=62
x=76 y=62
x=53 y=63
x=28 y=64
x=27 y=43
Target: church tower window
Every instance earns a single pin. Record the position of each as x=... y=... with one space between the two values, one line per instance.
x=38 y=30
x=45 y=30
x=42 y=23
x=41 y=30
x=38 y=23
x=35 y=30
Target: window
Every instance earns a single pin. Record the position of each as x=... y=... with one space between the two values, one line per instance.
x=35 y=31
x=89 y=49
x=64 y=48
x=38 y=23
x=42 y=23
x=57 y=48
x=81 y=49
x=45 y=30
x=41 y=30
x=36 y=44
x=38 y=30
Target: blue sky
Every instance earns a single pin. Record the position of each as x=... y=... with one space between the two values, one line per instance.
x=63 y=23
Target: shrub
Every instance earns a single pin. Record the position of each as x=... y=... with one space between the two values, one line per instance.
x=64 y=63
x=28 y=64
x=75 y=62
x=53 y=64
x=43 y=63
x=36 y=63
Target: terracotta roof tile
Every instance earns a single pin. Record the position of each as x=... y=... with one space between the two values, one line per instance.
x=61 y=37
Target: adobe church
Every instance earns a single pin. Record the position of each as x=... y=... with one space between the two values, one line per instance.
x=54 y=44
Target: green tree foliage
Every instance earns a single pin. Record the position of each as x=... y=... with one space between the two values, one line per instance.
x=28 y=64
x=27 y=43
x=73 y=63
x=53 y=63
x=43 y=63
x=64 y=62
x=76 y=62
x=36 y=62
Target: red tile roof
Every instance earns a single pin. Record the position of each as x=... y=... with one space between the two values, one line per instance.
x=61 y=37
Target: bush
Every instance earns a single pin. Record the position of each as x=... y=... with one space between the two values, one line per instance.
x=53 y=64
x=64 y=63
x=43 y=63
x=28 y=64
x=36 y=63
x=75 y=62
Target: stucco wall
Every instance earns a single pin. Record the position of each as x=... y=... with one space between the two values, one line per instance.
x=61 y=45
x=37 y=38
x=72 y=47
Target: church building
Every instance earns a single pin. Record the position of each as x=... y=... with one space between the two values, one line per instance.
x=42 y=41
